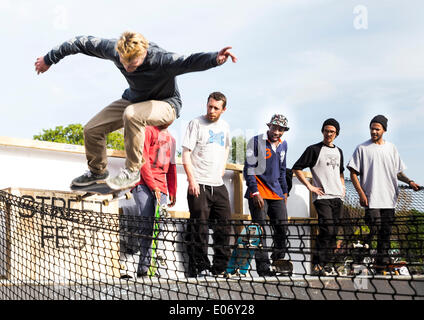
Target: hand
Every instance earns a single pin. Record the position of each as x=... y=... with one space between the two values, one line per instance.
x=363 y=200
x=414 y=186
x=193 y=188
x=224 y=54
x=172 y=200
x=258 y=201
x=316 y=190
x=40 y=65
x=285 y=198
x=157 y=194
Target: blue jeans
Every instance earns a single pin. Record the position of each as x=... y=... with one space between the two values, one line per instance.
x=146 y=205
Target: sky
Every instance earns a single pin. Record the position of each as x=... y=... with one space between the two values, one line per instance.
x=308 y=60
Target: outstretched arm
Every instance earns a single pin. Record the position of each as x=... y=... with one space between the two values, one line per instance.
x=89 y=45
x=179 y=64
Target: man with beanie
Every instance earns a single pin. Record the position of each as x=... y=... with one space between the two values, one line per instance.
x=325 y=161
x=265 y=175
x=379 y=167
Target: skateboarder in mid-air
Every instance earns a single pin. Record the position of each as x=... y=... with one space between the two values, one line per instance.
x=151 y=99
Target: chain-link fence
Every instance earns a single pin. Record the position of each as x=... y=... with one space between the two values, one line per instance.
x=47 y=252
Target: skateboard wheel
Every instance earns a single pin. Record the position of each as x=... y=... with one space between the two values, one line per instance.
x=105 y=202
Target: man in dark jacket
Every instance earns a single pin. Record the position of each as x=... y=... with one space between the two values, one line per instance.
x=265 y=175
x=151 y=99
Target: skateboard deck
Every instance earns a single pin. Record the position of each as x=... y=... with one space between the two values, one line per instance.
x=157 y=257
x=153 y=264
x=101 y=188
x=248 y=240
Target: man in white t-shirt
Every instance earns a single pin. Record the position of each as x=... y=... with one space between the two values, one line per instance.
x=205 y=153
x=379 y=167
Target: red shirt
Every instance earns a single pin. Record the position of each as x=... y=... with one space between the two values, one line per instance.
x=160 y=170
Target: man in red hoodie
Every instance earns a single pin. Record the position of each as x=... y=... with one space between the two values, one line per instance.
x=158 y=178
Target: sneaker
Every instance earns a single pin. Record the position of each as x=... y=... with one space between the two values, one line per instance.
x=318 y=271
x=89 y=178
x=267 y=273
x=283 y=267
x=200 y=270
x=141 y=274
x=125 y=179
x=330 y=271
x=218 y=272
x=204 y=273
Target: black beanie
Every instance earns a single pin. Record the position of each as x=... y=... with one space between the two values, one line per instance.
x=381 y=120
x=331 y=122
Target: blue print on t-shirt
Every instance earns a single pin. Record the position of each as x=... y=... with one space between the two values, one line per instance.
x=216 y=137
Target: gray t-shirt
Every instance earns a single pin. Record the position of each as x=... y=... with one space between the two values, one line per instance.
x=378 y=166
x=208 y=142
x=326 y=164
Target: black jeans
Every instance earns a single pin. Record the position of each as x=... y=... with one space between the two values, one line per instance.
x=211 y=209
x=380 y=222
x=329 y=214
x=277 y=213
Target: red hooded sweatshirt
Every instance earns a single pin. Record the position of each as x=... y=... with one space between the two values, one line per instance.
x=160 y=170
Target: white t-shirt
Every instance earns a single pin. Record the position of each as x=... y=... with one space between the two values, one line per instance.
x=378 y=166
x=208 y=142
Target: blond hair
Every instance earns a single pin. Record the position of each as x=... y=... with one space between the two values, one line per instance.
x=131 y=45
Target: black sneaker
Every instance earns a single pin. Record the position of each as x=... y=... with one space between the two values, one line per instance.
x=317 y=271
x=89 y=178
x=218 y=272
x=267 y=273
x=141 y=274
x=284 y=267
x=194 y=271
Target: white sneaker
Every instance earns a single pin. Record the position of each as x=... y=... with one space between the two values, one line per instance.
x=124 y=180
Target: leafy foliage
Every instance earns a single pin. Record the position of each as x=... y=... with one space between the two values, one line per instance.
x=238 y=150
x=74 y=134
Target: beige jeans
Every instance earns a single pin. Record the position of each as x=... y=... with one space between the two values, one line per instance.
x=133 y=117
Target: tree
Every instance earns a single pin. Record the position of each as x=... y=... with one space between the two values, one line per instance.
x=238 y=149
x=74 y=134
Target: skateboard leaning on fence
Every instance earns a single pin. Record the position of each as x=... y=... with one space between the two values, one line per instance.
x=156 y=257
x=247 y=242
x=101 y=188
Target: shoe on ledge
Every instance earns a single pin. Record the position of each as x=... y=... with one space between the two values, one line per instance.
x=124 y=180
